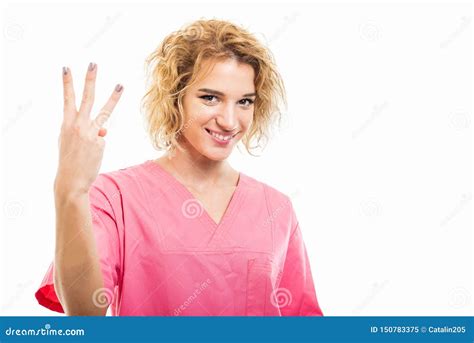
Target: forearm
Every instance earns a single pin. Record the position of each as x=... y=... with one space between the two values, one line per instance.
x=77 y=268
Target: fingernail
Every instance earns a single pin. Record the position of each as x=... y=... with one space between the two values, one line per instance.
x=118 y=88
x=91 y=66
x=65 y=69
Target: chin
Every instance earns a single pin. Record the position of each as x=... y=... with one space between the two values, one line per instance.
x=216 y=155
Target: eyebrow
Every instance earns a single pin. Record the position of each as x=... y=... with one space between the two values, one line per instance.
x=212 y=91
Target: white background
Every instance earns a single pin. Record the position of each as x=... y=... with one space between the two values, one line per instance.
x=375 y=151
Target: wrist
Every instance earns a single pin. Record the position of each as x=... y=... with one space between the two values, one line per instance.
x=68 y=194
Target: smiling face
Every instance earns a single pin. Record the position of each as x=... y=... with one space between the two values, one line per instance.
x=219 y=108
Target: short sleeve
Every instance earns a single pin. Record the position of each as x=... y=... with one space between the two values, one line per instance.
x=104 y=226
x=297 y=280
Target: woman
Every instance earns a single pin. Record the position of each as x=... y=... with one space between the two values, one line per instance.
x=185 y=234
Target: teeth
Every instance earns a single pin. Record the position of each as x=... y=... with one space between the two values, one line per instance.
x=221 y=137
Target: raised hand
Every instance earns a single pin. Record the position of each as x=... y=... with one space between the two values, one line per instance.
x=81 y=140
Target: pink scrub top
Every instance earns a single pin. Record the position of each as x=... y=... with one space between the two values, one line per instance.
x=161 y=253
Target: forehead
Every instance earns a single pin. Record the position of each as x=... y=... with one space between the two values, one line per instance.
x=228 y=76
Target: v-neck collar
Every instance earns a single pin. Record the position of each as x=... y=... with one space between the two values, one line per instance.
x=187 y=194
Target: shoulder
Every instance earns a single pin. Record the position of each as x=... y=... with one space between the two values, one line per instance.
x=112 y=183
x=274 y=197
x=114 y=190
x=277 y=209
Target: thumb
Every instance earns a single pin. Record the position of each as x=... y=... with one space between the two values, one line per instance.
x=102 y=132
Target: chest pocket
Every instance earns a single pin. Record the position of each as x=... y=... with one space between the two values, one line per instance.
x=262 y=275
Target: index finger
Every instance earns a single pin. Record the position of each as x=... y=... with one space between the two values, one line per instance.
x=68 y=92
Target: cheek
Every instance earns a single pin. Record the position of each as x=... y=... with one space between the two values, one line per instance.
x=196 y=118
x=247 y=119
x=198 y=115
x=198 y=112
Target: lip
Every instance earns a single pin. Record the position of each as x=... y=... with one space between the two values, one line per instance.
x=217 y=140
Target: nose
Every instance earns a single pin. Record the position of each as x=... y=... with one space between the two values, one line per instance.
x=227 y=119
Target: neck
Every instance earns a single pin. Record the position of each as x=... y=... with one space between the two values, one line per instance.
x=198 y=171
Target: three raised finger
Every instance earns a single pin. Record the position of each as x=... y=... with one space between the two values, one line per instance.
x=68 y=92
x=89 y=90
x=108 y=108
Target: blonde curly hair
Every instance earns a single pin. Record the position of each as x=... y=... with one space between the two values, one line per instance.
x=174 y=66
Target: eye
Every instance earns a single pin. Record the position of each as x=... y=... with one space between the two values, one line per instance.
x=246 y=102
x=209 y=98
